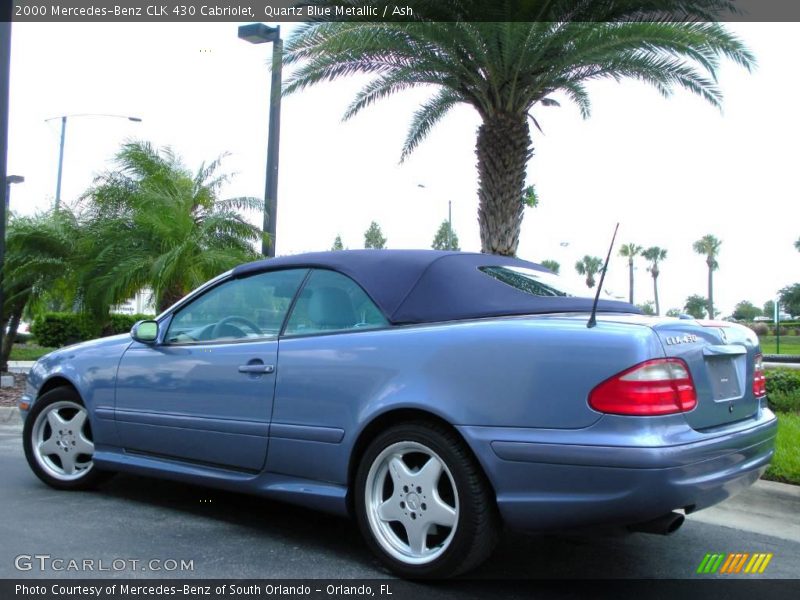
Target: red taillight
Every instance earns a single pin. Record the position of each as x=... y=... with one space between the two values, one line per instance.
x=759 y=380
x=656 y=387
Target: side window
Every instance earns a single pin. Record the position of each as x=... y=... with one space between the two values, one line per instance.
x=251 y=307
x=331 y=301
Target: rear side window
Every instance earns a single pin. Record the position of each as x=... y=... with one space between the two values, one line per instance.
x=533 y=282
x=330 y=302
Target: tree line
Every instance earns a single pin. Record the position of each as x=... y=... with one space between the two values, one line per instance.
x=696 y=305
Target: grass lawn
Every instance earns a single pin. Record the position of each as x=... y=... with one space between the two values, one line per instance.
x=790 y=344
x=785 y=465
x=28 y=352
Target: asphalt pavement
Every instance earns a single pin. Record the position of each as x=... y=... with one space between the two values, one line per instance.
x=225 y=535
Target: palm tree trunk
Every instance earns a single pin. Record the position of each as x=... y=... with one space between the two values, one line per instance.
x=655 y=293
x=503 y=150
x=169 y=297
x=630 y=280
x=10 y=337
x=710 y=292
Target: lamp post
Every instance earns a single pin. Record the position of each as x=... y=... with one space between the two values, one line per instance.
x=259 y=33
x=449 y=219
x=5 y=68
x=63 y=136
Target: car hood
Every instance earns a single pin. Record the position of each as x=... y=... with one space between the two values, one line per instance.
x=107 y=348
x=108 y=344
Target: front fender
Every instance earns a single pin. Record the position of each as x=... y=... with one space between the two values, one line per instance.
x=91 y=368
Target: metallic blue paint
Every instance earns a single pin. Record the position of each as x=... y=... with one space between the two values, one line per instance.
x=514 y=388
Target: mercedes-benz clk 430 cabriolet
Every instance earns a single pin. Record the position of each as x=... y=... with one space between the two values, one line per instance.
x=435 y=396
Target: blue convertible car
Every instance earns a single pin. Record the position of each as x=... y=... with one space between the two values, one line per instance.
x=435 y=396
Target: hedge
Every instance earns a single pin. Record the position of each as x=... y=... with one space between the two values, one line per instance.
x=122 y=323
x=786 y=381
x=54 y=330
x=783 y=389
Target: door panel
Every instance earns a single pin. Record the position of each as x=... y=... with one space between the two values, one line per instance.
x=204 y=391
x=193 y=403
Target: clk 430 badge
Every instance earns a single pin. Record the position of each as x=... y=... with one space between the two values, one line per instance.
x=680 y=339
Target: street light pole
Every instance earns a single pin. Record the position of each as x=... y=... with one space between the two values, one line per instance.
x=63 y=136
x=60 y=159
x=259 y=33
x=449 y=225
x=449 y=219
x=5 y=68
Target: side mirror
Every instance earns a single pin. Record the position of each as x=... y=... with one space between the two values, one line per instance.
x=145 y=332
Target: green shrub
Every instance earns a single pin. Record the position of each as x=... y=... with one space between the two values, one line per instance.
x=783 y=381
x=61 y=329
x=783 y=402
x=760 y=328
x=122 y=323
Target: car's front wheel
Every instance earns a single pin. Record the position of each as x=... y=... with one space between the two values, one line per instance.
x=423 y=504
x=58 y=441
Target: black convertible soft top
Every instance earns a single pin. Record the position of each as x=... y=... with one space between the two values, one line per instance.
x=424 y=286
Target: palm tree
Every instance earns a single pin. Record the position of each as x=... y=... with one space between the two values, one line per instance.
x=553 y=265
x=505 y=68
x=589 y=266
x=630 y=251
x=655 y=255
x=708 y=246
x=152 y=223
x=40 y=257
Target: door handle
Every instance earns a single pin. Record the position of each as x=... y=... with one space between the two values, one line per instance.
x=256 y=369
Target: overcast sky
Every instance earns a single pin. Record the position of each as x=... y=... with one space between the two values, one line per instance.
x=669 y=170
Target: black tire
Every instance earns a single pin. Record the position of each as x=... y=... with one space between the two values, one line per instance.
x=477 y=521
x=63 y=401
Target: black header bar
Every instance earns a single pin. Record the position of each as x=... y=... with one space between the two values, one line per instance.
x=180 y=11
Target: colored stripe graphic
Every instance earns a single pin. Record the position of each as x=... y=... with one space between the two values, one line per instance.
x=729 y=562
x=734 y=562
x=741 y=562
x=765 y=563
x=711 y=563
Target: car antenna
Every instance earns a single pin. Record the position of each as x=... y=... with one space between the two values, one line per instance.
x=592 y=318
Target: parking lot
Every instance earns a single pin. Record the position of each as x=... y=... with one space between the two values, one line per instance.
x=155 y=525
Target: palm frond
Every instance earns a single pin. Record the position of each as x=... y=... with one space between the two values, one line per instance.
x=426 y=117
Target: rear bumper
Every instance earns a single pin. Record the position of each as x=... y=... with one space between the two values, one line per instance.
x=543 y=485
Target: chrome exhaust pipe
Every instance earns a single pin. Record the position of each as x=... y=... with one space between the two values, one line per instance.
x=663 y=525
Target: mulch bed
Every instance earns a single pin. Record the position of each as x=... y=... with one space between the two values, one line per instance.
x=9 y=396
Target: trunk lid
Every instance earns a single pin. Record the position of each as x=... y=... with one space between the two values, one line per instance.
x=720 y=357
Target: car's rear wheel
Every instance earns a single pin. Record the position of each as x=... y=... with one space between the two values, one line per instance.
x=58 y=441
x=423 y=504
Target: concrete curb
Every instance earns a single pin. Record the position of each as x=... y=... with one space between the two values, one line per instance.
x=20 y=366
x=768 y=508
x=774 y=365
